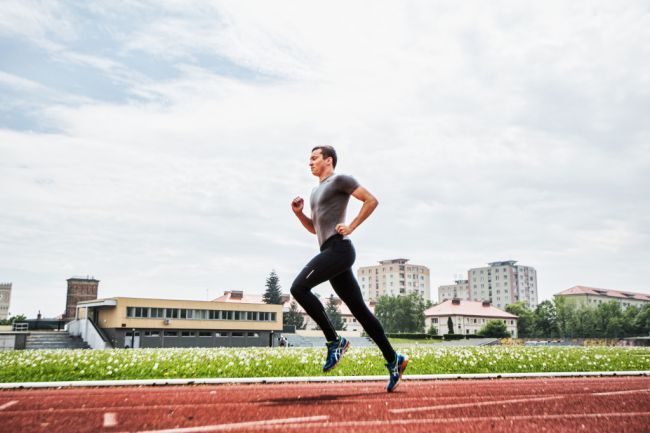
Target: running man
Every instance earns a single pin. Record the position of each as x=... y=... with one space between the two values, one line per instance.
x=328 y=203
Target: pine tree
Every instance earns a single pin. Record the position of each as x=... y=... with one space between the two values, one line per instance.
x=272 y=295
x=332 y=310
x=293 y=316
x=450 y=325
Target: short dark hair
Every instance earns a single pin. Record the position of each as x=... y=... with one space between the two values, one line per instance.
x=327 y=152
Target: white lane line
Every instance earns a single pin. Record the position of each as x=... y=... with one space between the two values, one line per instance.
x=281 y=422
x=631 y=391
x=8 y=404
x=313 y=379
x=482 y=403
x=383 y=423
x=110 y=419
x=518 y=400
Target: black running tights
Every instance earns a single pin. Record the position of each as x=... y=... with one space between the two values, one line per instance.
x=334 y=263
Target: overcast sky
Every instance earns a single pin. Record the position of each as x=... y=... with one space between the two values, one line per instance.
x=157 y=145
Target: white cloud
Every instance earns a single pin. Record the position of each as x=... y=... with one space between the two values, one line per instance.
x=514 y=131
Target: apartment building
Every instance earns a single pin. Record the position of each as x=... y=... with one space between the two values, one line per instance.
x=460 y=290
x=502 y=283
x=582 y=295
x=5 y=300
x=393 y=278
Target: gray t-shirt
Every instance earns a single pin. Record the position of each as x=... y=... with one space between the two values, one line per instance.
x=329 y=201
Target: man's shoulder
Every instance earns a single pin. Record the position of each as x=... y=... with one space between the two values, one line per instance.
x=344 y=177
x=346 y=182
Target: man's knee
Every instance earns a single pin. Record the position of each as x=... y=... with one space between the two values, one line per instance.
x=296 y=290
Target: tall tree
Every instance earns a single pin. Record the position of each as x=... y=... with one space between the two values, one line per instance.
x=642 y=320
x=525 y=318
x=401 y=313
x=272 y=295
x=293 y=316
x=609 y=317
x=494 y=329
x=332 y=310
x=386 y=313
x=450 y=325
x=546 y=320
x=629 y=321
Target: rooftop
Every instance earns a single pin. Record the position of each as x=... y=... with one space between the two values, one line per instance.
x=393 y=261
x=503 y=263
x=467 y=308
x=584 y=290
x=256 y=298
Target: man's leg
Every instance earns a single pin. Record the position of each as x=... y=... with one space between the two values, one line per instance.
x=318 y=270
x=347 y=288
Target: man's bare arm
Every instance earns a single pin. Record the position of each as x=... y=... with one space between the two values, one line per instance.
x=369 y=205
x=296 y=206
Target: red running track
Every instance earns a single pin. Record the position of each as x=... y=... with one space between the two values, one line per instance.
x=612 y=404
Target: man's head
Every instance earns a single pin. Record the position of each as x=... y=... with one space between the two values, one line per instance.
x=323 y=158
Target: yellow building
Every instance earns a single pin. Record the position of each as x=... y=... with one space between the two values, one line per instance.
x=145 y=322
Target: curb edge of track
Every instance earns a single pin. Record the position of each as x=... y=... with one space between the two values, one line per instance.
x=314 y=379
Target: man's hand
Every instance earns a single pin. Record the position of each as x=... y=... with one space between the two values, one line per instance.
x=297 y=204
x=344 y=230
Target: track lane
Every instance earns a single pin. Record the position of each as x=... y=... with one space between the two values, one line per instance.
x=598 y=404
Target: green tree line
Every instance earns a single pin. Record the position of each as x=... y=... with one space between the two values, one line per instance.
x=562 y=319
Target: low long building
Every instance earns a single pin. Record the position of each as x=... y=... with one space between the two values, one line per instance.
x=467 y=317
x=146 y=322
x=582 y=295
x=351 y=323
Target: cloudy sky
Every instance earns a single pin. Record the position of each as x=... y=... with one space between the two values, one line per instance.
x=157 y=145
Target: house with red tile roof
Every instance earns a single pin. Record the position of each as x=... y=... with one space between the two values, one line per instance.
x=583 y=295
x=467 y=317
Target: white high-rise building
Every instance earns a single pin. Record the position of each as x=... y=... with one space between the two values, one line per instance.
x=460 y=290
x=393 y=278
x=503 y=283
x=5 y=299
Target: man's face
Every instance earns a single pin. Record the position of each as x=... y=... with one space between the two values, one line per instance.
x=317 y=163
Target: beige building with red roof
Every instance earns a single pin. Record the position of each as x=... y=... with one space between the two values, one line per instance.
x=583 y=295
x=468 y=317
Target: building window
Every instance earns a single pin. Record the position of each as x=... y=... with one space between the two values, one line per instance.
x=205 y=334
x=220 y=334
x=152 y=333
x=237 y=334
x=253 y=334
x=170 y=334
x=187 y=333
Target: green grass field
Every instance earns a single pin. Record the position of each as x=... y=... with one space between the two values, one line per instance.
x=65 y=365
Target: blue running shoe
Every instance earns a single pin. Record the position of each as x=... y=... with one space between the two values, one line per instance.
x=395 y=369
x=335 y=351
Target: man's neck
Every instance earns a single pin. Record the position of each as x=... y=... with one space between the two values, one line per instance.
x=325 y=175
